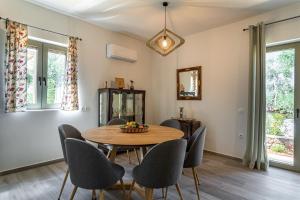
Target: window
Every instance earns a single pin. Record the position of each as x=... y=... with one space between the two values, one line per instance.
x=45 y=75
x=282 y=105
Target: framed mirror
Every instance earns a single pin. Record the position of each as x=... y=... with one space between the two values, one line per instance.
x=189 y=83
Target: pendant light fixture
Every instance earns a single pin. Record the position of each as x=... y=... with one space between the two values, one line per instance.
x=165 y=41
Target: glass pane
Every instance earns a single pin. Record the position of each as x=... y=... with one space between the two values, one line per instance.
x=122 y=106
x=280 y=78
x=188 y=85
x=55 y=73
x=103 y=108
x=139 y=108
x=32 y=56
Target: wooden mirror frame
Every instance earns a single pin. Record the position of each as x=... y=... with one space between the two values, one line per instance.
x=199 y=95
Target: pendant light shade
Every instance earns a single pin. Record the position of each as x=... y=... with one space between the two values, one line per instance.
x=165 y=41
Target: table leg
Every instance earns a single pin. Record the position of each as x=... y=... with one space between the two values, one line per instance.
x=136 y=188
x=149 y=193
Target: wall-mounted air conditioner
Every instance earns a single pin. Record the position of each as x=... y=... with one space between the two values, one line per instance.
x=114 y=51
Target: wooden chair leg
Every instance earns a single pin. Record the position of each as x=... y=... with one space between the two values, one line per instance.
x=179 y=191
x=73 y=193
x=143 y=151
x=163 y=192
x=64 y=183
x=123 y=187
x=113 y=154
x=131 y=188
x=149 y=193
x=197 y=177
x=108 y=154
x=94 y=195
x=138 y=157
x=128 y=154
x=196 y=183
x=101 y=195
x=166 y=194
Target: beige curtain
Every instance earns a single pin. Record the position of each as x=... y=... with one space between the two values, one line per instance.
x=256 y=153
x=16 y=69
x=70 y=95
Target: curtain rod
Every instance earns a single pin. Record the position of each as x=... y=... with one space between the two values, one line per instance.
x=78 y=38
x=275 y=22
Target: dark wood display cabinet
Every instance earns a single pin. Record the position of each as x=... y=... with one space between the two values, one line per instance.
x=121 y=103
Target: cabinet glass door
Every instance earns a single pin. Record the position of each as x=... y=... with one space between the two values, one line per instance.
x=122 y=105
x=139 y=108
x=103 y=108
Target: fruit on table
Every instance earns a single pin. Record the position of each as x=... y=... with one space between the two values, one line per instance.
x=133 y=124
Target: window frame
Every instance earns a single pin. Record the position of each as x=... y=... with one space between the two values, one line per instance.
x=296 y=164
x=42 y=73
x=39 y=46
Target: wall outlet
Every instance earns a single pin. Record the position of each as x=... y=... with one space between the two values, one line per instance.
x=84 y=108
x=241 y=135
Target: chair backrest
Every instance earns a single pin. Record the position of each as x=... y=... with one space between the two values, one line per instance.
x=89 y=167
x=162 y=165
x=116 y=121
x=173 y=123
x=67 y=131
x=195 y=148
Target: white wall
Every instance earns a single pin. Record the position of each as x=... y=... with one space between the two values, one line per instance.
x=223 y=54
x=32 y=137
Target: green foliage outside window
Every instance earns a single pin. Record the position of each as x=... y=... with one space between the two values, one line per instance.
x=56 y=67
x=279 y=90
x=280 y=148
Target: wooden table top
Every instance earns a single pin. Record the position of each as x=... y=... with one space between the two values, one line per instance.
x=113 y=135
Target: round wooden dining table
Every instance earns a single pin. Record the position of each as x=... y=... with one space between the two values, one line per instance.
x=112 y=135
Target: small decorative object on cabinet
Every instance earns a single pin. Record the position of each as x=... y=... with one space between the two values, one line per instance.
x=181 y=112
x=120 y=84
x=131 y=85
x=121 y=103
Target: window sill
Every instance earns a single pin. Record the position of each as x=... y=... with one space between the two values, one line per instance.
x=42 y=110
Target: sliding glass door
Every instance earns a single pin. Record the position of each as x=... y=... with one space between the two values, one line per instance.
x=282 y=105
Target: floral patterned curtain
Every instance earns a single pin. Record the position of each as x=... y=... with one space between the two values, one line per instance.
x=70 y=95
x=16 y=69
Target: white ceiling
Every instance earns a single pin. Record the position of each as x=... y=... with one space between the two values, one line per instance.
x=144 y=18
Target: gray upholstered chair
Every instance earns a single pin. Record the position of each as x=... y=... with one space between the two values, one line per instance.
x=161 y=167
x=117 y=121
x=67 y=131
x=173 y=123
x=90 y=169
x=194 y=153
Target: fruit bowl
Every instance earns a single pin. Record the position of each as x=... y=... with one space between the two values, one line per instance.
x=134 y=127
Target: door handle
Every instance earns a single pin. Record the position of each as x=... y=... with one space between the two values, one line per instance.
x=297 y=112
x=40 y=80
x=44 y=80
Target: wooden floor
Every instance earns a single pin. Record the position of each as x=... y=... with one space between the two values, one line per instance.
x=221 y=178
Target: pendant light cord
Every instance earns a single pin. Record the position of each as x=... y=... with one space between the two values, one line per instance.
x=165 y=4
x=165 y=17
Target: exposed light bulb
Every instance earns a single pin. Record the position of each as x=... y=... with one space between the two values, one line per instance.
x=165 y=43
